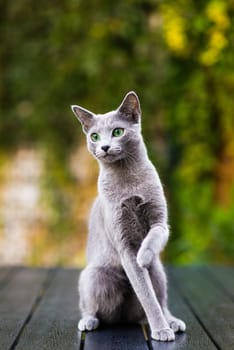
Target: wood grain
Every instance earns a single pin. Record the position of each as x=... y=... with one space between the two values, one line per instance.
x=17 y=299
x=122 y=337
x=4 y=276
x=195 y=336
x=54 y=323
x=224 y=276
x=39 y=310
x=213 y=308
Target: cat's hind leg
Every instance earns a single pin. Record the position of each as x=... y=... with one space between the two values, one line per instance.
x=159 y=281
x=132 y=311
x=101 y=290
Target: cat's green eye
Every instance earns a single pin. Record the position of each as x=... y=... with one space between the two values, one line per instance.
x=95 y=137
x=118 y=132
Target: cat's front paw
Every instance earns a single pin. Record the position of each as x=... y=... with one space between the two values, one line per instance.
x=164 y=334
x=88 y=323
x=177 y=325
x=144 y=257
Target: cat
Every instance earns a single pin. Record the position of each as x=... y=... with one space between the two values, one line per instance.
x=124 y=280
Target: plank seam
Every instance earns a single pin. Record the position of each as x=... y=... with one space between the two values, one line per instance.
x=147 y=336
x=187 y=302
x=82 y=340
x=42 y=290
x=149 y=341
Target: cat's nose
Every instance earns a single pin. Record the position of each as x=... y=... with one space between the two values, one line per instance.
x=105 y=148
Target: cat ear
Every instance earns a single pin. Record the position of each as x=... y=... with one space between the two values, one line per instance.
x=130 y=107
x=84 y=116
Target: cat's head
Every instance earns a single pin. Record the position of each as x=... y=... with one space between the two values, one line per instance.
x=115 y=135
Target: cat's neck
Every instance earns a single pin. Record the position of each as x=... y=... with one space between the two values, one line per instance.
x=128 y=165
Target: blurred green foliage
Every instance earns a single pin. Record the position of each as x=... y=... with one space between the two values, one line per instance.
x=177 y=55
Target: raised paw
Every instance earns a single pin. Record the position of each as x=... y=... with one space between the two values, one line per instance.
x=88 y=323
x=144 y=257
x=164 y=334
x=177 y=325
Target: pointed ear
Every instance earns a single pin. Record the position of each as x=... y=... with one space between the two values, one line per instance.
x=84 y=116
x=130 y=107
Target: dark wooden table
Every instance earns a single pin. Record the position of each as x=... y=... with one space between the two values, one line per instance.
x=38 y=310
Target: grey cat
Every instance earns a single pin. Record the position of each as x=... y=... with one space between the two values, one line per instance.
x=124 y=280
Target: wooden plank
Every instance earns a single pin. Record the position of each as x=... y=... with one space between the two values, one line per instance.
x=3 y=273
x=212 y=306
x=54 y=323
x=119 y=337
x=195 y=337
x=17 y=299
x=4 y=276
x=224 y=276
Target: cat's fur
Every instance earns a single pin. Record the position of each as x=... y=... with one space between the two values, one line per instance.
x=124 y=279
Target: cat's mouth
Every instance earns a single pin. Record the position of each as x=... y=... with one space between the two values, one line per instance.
x=109 y=157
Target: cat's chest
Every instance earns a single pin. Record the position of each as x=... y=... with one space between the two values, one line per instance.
x=116 y=189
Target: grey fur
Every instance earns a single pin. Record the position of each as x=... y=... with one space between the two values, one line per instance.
x=124 y=279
